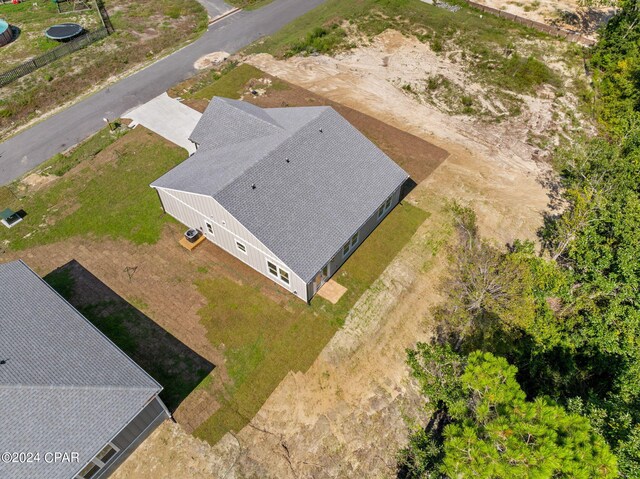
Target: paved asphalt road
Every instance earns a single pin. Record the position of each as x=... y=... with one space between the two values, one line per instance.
x=33 y=146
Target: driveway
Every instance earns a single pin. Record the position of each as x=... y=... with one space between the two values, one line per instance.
x=216 y=8
x=61 y=131
x=168 y=118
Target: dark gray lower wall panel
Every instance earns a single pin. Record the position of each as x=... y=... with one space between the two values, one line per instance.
x=133 y=435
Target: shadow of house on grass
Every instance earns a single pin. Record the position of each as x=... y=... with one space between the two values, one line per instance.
x=170 y=362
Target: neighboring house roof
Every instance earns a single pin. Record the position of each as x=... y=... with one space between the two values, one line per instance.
x=63 y=386
x=303 y=209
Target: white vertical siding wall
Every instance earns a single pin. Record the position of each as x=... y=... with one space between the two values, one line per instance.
x=194 y=210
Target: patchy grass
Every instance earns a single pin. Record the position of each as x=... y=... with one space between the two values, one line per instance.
x=501 y=53
x=178 y=369
x=144 y=30
x=109 y=199
x=319 y=40
x=231 y=82
x=60 y=163
x=264 y=340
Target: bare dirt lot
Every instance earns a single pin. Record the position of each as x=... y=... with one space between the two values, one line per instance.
x=345 y=416
x=562 y=13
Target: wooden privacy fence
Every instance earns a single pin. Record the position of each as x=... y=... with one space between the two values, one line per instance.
x=52 y=55
x=555 y=31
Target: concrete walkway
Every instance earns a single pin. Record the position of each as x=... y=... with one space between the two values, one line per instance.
x=216 y=8
x=168 y=118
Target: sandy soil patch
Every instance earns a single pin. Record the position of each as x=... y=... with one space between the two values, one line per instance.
x=210 y=60
x=562 y=13
x=332 y=291
x=202 y=461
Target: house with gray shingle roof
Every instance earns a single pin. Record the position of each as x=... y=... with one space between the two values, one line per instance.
x=292 y=192
x=73 y=404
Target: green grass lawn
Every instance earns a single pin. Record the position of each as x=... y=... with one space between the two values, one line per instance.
x=112 y=199
x=230 y=82
x=264 y=340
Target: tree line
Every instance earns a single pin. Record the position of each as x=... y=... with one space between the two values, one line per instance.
x=535 y=368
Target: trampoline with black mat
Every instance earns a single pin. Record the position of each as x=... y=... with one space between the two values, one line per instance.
x=64 y=31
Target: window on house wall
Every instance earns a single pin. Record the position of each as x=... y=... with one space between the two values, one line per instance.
x=89 y=471
x=98 y=462
x=384 y=207
x=209 y=227
x=345 y=249
x=107 y=453
x=284 y=276
x=273 y=269
x=354 y=240
x=241 y=247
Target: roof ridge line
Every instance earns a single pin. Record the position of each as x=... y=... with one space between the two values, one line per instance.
x=267 y=152
x=275 y=147
x=231 y=104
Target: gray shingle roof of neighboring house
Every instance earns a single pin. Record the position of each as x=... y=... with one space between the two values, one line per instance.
x=64 y=386
x=305 y=209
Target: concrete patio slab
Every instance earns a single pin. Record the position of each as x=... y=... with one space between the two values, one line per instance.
x=331 y=291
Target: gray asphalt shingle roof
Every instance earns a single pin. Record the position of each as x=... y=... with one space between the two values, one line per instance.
x=305 y=209
x=64 y=386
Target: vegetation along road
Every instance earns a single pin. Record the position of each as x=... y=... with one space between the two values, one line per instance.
x=28 y=149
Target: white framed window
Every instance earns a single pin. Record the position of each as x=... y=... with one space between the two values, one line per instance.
x=89 y=471
x=278 y=273
x=106 y=454
x=384 y=207
x=98 y=462
x=241 y=246
x=354 y=240
x=209 y=227
x=349 y=245
x=273 y=269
